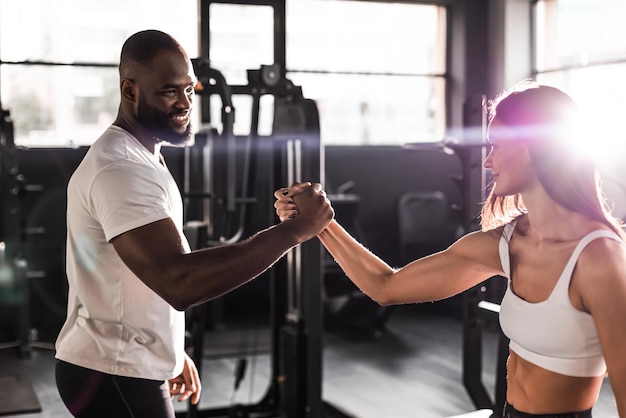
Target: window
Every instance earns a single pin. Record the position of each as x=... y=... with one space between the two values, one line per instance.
x=376 y=69
x=58 y=62
x=581 y=48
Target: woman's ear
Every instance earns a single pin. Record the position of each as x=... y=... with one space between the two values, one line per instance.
x=128 y=90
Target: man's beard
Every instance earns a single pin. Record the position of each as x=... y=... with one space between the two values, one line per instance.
x=157 y=122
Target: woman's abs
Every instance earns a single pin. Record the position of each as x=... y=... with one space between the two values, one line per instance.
x=535 y=390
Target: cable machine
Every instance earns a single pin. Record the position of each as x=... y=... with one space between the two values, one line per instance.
x=230 y=187
x=14 y=292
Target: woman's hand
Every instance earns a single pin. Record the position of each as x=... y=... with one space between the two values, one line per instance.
x=187 y=383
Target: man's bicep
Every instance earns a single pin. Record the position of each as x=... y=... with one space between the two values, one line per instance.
x=150 y=251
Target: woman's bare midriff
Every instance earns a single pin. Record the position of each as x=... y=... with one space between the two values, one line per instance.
x=535 y=390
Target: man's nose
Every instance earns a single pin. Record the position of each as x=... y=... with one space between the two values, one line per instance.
x=184 y=100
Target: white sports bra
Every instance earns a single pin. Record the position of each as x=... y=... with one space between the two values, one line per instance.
x=552 y=334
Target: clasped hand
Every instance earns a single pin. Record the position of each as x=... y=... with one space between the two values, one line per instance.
x=307 y=201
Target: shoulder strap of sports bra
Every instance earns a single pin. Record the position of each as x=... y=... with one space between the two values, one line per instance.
x=566 y=275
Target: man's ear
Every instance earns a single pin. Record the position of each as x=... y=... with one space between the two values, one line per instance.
x=128 y=90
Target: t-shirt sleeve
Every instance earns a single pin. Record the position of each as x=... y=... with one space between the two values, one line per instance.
x=126 y=195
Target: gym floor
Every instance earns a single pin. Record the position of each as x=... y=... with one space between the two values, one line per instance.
x=413 y=370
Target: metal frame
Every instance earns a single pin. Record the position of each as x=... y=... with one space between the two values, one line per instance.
x=12 y=188
x=296 y=318
x=295 y=387
x=473 y=184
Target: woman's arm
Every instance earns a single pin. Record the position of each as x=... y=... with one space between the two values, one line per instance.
x=600 y=280
x=469 y=261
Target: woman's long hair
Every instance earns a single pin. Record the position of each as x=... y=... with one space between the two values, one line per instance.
x=544 y=117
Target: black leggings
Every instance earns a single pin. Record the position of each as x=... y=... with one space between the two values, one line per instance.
x=510 y=412
x=91 y=394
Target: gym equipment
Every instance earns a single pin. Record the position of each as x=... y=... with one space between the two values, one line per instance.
x=14 y=292
x=291 y=153
x=16 y=392
x=425 y=224
x=33 y=232
x=480 y=303
x=347 y=310
x=477 y=314
x=294 y=151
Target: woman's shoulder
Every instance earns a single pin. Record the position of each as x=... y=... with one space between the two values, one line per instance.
x=600 y=275
x=481 y=249
x=603 y=246
x=603 y=259
x=480 y=245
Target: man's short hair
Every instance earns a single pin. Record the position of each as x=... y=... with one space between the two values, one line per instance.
x=143 y=46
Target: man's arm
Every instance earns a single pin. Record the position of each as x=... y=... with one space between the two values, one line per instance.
x=157 y=256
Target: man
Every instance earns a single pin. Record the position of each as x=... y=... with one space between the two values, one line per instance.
x=130 y=270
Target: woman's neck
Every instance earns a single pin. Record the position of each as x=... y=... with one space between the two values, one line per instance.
x=548 y=220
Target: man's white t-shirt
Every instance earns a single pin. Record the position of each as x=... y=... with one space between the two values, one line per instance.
x=115 y=323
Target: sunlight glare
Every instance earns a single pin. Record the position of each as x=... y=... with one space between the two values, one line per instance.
x=601 y=137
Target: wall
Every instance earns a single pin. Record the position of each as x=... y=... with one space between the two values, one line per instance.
x=381 y=175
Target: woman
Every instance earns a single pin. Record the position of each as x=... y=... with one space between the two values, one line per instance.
x=547 y=228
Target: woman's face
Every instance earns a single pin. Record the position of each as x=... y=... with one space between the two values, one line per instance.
x=509 y=161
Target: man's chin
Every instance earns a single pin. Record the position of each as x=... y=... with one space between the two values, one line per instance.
x=179 y=142
x=175 y=138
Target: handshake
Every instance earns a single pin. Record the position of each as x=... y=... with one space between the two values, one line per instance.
x=305 y=204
